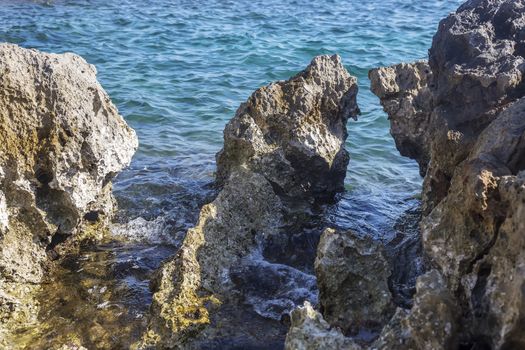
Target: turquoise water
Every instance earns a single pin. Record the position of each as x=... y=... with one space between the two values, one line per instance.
x=177 y=71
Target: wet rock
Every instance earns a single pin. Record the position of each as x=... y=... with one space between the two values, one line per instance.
x=197 y=280
x=309 y=331
x=431 y=324
x=352 y=276
x=405 y=96
x=62 y=143
x=293 y=132
x=472 y=196
x=285 y=145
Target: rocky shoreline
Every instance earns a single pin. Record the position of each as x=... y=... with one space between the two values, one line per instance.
x=460 y=114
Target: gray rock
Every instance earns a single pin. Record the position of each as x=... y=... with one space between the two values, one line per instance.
x=293 y=132
x=432 y=322
x=309 y=331
x=62 y=143
x=352 y=276
x=477 y=65
x=286 y=142
x=405 y=96
x=473 y=207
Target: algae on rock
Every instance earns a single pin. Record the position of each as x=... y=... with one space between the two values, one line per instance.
x=62 y=141
x=285 y=145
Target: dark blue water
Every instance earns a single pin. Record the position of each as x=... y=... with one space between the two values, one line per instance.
x=177 y=71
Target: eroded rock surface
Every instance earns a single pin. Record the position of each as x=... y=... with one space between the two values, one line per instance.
x=284 y=145
x=309 y=331
x=473 y=188
x=352 y=276
x=62 y=141
x=405 y=95
x=293 y=132
x=196 y=281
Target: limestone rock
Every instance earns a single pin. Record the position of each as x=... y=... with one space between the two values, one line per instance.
x=472 y=224
x=431 y=324
x=285 y=144
x=62 y=141
x=293 y=132
x=477 y=65
x=405 y=96
x=309 y=331
x=197 y=279
x=352 y=276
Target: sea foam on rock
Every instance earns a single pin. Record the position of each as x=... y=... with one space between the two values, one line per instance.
x=62 y=142
x=285 y=144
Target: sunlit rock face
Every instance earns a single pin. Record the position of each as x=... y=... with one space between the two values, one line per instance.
x=309 y=331
x=61 y=143
x=293 y=132
x=472 y=228
x=405 y=95
x=285 y=145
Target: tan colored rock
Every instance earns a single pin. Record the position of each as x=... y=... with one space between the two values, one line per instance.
x=309 y=331
x=285 y=142
x=293 y=132
x=352 y=276
x=406 y=97
x=431 y=323
x=195 y=282
x=62 y=141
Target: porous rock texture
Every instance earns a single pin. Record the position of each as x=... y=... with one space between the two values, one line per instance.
x=285 y=144
x=309 y=331
x=405 y=95
x=61 y=143
x=472 y=225
x=195 y=282
x=352 y=276
x=293 y=132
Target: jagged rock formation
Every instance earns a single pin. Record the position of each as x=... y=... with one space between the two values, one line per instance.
x=62 y=141
x=293 y=132
x=193 y=283
x=405 y=95
x=472 y=226
x=352 y=276
x=309 y=331
x=464 y=122
x=285 y=144
x=430 y=324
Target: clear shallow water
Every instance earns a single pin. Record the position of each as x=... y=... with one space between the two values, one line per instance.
x=177 y=70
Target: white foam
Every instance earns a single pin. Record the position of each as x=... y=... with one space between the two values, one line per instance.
x=297 y=288
x=4 y=216
x=155 y=231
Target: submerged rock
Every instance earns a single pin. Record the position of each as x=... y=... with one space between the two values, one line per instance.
x=293 y=132
x=62 y=143
x=286 y=144
x=352 y=276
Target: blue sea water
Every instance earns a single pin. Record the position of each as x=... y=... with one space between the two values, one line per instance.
x=177 y=70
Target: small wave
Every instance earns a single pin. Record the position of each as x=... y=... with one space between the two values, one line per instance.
x=273 y=290
x=156 y=231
